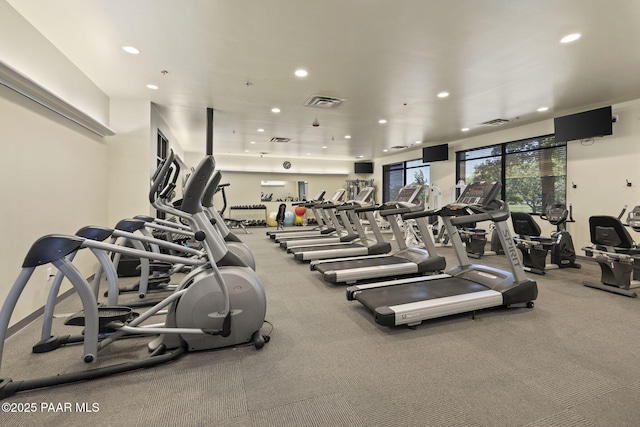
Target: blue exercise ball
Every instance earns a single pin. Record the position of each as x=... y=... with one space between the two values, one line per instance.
x=289 y=218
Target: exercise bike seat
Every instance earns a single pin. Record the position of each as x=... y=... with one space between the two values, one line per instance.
x=526 y=227
x=610 y=235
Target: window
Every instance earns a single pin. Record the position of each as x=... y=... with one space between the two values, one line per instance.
x=532 y=171
x=162 y=148
x=397 y=175
x=161 y=152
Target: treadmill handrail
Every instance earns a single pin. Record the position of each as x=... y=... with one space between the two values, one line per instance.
x=497 y=215
x=320 y=203
x=328 y=205
x=371 y=208
x=419 y=214
x=481 y=213
x=347 y=206
x=396 y=211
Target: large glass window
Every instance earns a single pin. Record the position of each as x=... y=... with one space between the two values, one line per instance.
x=397 y=175
x=532 y=171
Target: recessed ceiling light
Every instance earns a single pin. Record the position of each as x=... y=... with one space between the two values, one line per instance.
x=443 y=94
x=570 y=38
x=385 y=150
x=418 y=142
x=260 y=130
x=361 y=157
x=382 y=121
x=246 y=151
x=324 y=146
x=301 y=73
x=275 y=110
x=347 y=137
x=154 y=87
x=252 y=142
x=541 y=109
x=308 y=154
x=130 y=49
x=465 y=129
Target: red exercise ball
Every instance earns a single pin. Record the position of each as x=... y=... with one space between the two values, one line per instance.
x=300 y=210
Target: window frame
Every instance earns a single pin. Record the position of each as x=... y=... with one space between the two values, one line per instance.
x=402 y=166
x=504 y=151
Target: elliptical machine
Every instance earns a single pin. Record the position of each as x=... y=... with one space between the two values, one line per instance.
x=219 y=303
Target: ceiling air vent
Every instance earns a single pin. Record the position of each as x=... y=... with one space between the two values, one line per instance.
x=279 y=139
x=399 y=147
x=494 y=122
x=325 y=102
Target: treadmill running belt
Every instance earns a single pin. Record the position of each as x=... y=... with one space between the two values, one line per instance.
x=323 y=247
x=417 y=291
x=359 y=263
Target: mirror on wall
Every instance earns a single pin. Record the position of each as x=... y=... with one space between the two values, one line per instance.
x=283 y=191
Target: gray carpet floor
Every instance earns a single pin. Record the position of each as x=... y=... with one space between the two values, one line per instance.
x=569 y=361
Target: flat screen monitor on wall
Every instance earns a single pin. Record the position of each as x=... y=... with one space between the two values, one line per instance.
x=363 y=167
x=587 y=124
x=435 y=153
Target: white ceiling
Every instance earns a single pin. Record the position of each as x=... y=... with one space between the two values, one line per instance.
x=387 y=59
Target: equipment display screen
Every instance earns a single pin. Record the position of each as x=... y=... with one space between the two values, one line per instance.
x=480 y=193
x=408 y=193
x=364 y=194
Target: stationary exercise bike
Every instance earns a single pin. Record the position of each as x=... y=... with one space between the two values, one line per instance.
x=615 y=252
x=563 y=253
x=535 y=248
x=219 y=303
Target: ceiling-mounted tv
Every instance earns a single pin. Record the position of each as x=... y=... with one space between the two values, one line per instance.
x=363 y=167
x=435 y=153
x=584 y=125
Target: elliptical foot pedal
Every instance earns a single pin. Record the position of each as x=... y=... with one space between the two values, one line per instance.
x=106 y=315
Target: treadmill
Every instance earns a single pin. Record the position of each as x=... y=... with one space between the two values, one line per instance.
x=344 y=232
x=364 y=246
x=406 y=261
x=467 y=287
x=318 y=198
x=324 y=223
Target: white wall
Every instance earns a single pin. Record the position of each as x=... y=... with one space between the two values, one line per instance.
x=129 y=159
x=54 y=172
x=54 y=178
x=44 y=64
x=599 y=169
x=245 y=186
x=58 y=176
x=270 y=164
x=244 y=173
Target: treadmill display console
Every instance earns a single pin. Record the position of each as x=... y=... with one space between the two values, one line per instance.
x=338 y=195
x=408 y=193
x=320 y=195
x=364 y=194
x=479 y=193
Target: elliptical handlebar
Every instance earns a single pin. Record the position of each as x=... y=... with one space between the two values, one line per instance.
x=211 y=189
x=193 y=191
x=161 y=176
